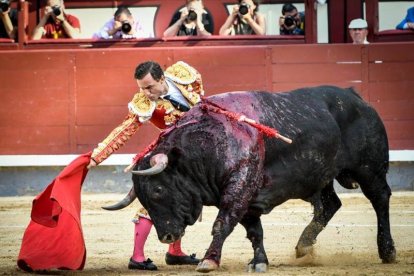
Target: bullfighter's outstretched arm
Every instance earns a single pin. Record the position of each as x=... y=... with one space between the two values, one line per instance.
x=140 y=110
x=117 y=138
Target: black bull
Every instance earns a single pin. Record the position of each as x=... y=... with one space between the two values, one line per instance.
x=213 y=160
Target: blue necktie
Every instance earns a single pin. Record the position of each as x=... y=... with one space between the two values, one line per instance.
x=177 y=104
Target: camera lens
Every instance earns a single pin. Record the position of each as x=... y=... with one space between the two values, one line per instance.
x=289 y=21
x=192 y=15
x=126 y=27
x=56 y=10
x=243 y=9
x=4 y=5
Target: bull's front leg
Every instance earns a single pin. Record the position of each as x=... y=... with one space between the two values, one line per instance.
x=233 y=206
x=221 y=230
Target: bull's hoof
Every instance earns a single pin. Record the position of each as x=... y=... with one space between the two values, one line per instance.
x=303 y=251
x=207 y=266
x=390 y=258
x=262 y=267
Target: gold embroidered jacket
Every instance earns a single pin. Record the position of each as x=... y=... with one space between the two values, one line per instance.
x=160 y=112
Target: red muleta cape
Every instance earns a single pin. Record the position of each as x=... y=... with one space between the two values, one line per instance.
x=54 y=237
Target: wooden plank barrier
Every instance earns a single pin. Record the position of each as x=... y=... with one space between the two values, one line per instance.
x=64 y=101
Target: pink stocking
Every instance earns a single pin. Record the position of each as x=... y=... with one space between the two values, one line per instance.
x=175 y=249
x=142 y=229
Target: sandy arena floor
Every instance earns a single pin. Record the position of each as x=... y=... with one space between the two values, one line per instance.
x=346 y=247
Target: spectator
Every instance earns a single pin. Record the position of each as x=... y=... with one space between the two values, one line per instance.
x=408 y=21
x=191 y=20
x=358 y=30
x=291 y=22
x=56 y=23
x=122 y=25
x=244 y=20
x=8 y=22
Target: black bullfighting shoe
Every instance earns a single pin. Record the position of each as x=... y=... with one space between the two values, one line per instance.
x=145 y=265
x=181 y=260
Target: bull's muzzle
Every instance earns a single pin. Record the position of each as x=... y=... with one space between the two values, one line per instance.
x=170 y=238
x=158 y=163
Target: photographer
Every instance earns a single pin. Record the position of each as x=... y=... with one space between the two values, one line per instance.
x=8 y=22
x=292 y=22
x=55 y=23
x=244 y=20
x=192 y=20
x=122 y=25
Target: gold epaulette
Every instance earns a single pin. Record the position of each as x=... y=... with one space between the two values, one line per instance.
x=181 y=73
x=142 y=106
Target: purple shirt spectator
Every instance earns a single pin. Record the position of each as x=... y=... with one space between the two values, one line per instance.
x=122 y=25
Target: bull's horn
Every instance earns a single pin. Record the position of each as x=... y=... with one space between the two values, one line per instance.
x=158 y=163
x=123 y=203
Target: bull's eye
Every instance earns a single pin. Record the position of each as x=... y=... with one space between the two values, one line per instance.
x=157 y=192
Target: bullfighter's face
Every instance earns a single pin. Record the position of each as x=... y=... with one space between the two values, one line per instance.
x=152 y=88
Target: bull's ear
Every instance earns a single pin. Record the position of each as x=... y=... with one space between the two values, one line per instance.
x=173 y=156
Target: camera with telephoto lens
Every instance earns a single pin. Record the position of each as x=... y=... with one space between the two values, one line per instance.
x=56 y=10
x=4 y=5
x=289 y=21
x=243 y=8
x=192 y=15
x=126 y=27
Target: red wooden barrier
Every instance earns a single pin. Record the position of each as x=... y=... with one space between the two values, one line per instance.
x=66 y=100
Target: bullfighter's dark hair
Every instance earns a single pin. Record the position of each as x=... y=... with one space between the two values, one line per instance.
x=151 y=67
x=122 y=10
x=288 y=8
x=256 y=3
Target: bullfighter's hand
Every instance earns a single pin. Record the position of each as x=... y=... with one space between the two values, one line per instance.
x=91 y=164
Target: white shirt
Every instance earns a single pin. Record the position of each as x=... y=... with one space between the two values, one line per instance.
x=175 y=93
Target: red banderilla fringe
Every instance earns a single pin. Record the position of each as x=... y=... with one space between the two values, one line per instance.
x=268 y=131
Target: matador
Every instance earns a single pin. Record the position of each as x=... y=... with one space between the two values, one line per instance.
x=163 y=98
